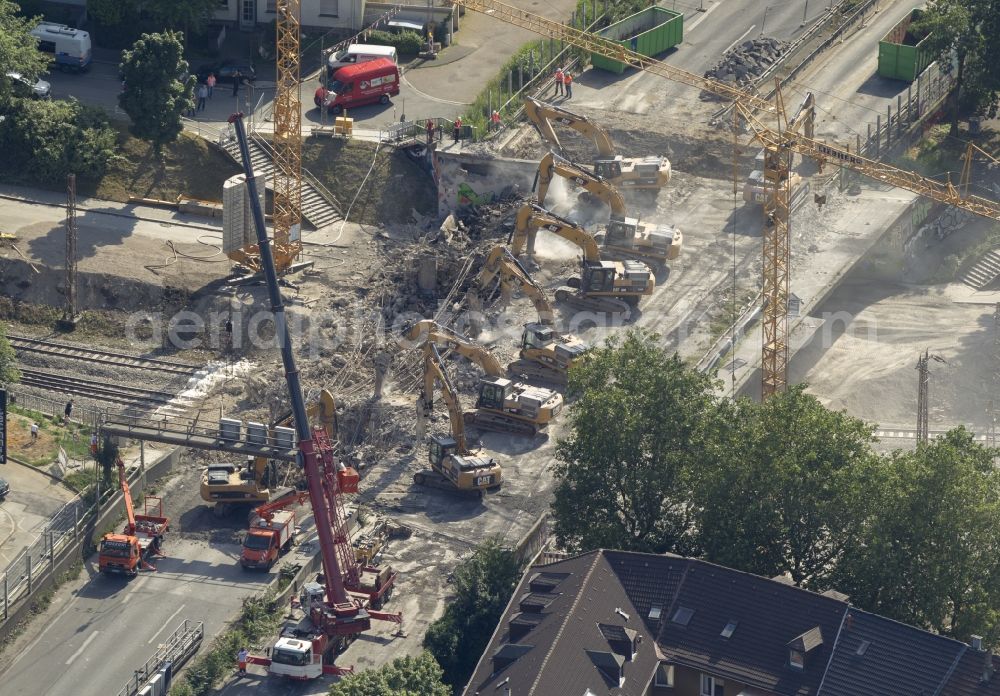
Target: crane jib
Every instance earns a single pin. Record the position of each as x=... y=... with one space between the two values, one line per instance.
x=839 y=155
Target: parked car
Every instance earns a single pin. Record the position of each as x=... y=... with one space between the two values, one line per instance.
x=225 y=70
x=23 y=87
x=4 y=489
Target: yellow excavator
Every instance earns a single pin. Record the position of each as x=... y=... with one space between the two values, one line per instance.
x=228 y=485
x=651 y=172
x=545 y=353
x=623 y=234
x=453 y=466
x=603 y=287
x=503 y=405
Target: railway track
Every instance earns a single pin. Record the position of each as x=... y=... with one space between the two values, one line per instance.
x=23 y=344
x=94 y=389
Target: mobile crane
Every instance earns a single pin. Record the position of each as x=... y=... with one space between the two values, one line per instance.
x=545 y=353
x=651 y=172
x=604 y=287
x=271 y=532
x=351 y=594
x=503 y=405
x=140 y=541
x=228 y=486
x=623 y=234
x=453 y=466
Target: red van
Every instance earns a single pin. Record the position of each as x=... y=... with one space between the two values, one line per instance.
x=356 y=85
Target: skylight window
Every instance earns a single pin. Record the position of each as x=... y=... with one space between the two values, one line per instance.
x=682 y=616
x=730 y=627
x=862 y=648
x=654 y=612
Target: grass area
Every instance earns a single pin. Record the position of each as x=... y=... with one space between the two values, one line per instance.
x=188 y=166
x=74 y=439
x=955 y=264
x=938 y=153
x=396 y=186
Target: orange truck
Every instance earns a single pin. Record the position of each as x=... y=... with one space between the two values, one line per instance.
x=140 y=541
x=271 y=532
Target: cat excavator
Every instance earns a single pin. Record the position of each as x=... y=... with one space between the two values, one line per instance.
x=623 y=235
x=603 y=287
x=545 y=353
x=651 y=172
x=503 y=405
x=453 y=466
x=229 y=485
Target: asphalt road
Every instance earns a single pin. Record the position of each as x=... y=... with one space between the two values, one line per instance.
x=90 y=644
x=33 y=498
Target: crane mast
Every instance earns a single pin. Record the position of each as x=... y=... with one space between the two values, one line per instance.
x=287 y=135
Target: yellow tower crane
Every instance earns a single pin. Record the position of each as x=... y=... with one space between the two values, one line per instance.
x=779 y=143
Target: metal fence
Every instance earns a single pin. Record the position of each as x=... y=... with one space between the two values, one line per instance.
x=87 y=415
x=174 y=651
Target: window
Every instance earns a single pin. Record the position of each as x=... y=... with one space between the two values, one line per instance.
x=711 y=686
x=329 y=8
x=664 y=675
x=654 y=613
x=727 y=632
x=270 y=6
x=796 y=659
x=223 y=4
x=682 y=616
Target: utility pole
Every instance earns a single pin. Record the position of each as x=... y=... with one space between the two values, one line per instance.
x=996 y=376
x=69 y=317
x=923 y=395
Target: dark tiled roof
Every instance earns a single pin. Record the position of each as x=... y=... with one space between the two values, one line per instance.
x=584 y=614
x=769 y=616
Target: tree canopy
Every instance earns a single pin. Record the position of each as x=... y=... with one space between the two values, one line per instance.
x=404 y=676
x=8 y=359
x=622 y=473
x=655 y=461
x=18 y=48
x=121 y=21
x=483 y=585
x=158 y=87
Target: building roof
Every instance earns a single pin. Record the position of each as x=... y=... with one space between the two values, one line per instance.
x=603 y=622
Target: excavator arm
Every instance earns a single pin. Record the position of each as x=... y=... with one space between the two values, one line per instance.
x=553 y=164
x=501 y=262
x=543 y=115
x=429 y=331
x=434 y=371
x=531 y=217
x=266 y=511
x=324 y=409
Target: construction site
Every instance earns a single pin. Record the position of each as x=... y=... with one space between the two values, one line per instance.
x=385 y=396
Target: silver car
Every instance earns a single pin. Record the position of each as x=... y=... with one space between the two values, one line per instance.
x=23 y=87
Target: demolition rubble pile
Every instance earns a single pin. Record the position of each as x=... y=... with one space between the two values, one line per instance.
x=743 y=64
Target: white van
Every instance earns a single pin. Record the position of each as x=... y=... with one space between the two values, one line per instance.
x=360 y=53
x=70 y=47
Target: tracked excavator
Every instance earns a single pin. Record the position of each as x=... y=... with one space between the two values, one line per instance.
x=603 y=287
x=228 y=485
x=503 y=405
x=453 y=466
x=623 y=235
x=545 y=353
x=651 y=172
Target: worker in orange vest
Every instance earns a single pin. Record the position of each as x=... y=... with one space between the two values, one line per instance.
x=559 y=81
x=495 y=122
x=458 y=127
x=568 y=84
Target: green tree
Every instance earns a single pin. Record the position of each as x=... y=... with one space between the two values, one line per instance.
x=107 y=457
x=185 y=15
x=18 y=48
x=112 y=12
x=404 y=676
x=8 y=359
x=774 y=490
x=928 y=550
x=48 y=139
x=158 y=87
x=636 y=431
x=959 y=28
x=483 y=585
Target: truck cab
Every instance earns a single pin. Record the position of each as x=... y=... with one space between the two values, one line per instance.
x=119 y=555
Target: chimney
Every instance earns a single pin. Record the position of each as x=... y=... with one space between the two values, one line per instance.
x=987 y=667
x=977 y=642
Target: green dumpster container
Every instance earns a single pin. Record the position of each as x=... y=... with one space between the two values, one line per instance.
x=903 y=54
x=649 y=32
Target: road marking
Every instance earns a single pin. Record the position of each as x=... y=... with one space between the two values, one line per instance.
x=166 y=623
x=704 y=14
x=82 y=647
x=726 y=50
x=133 y=587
